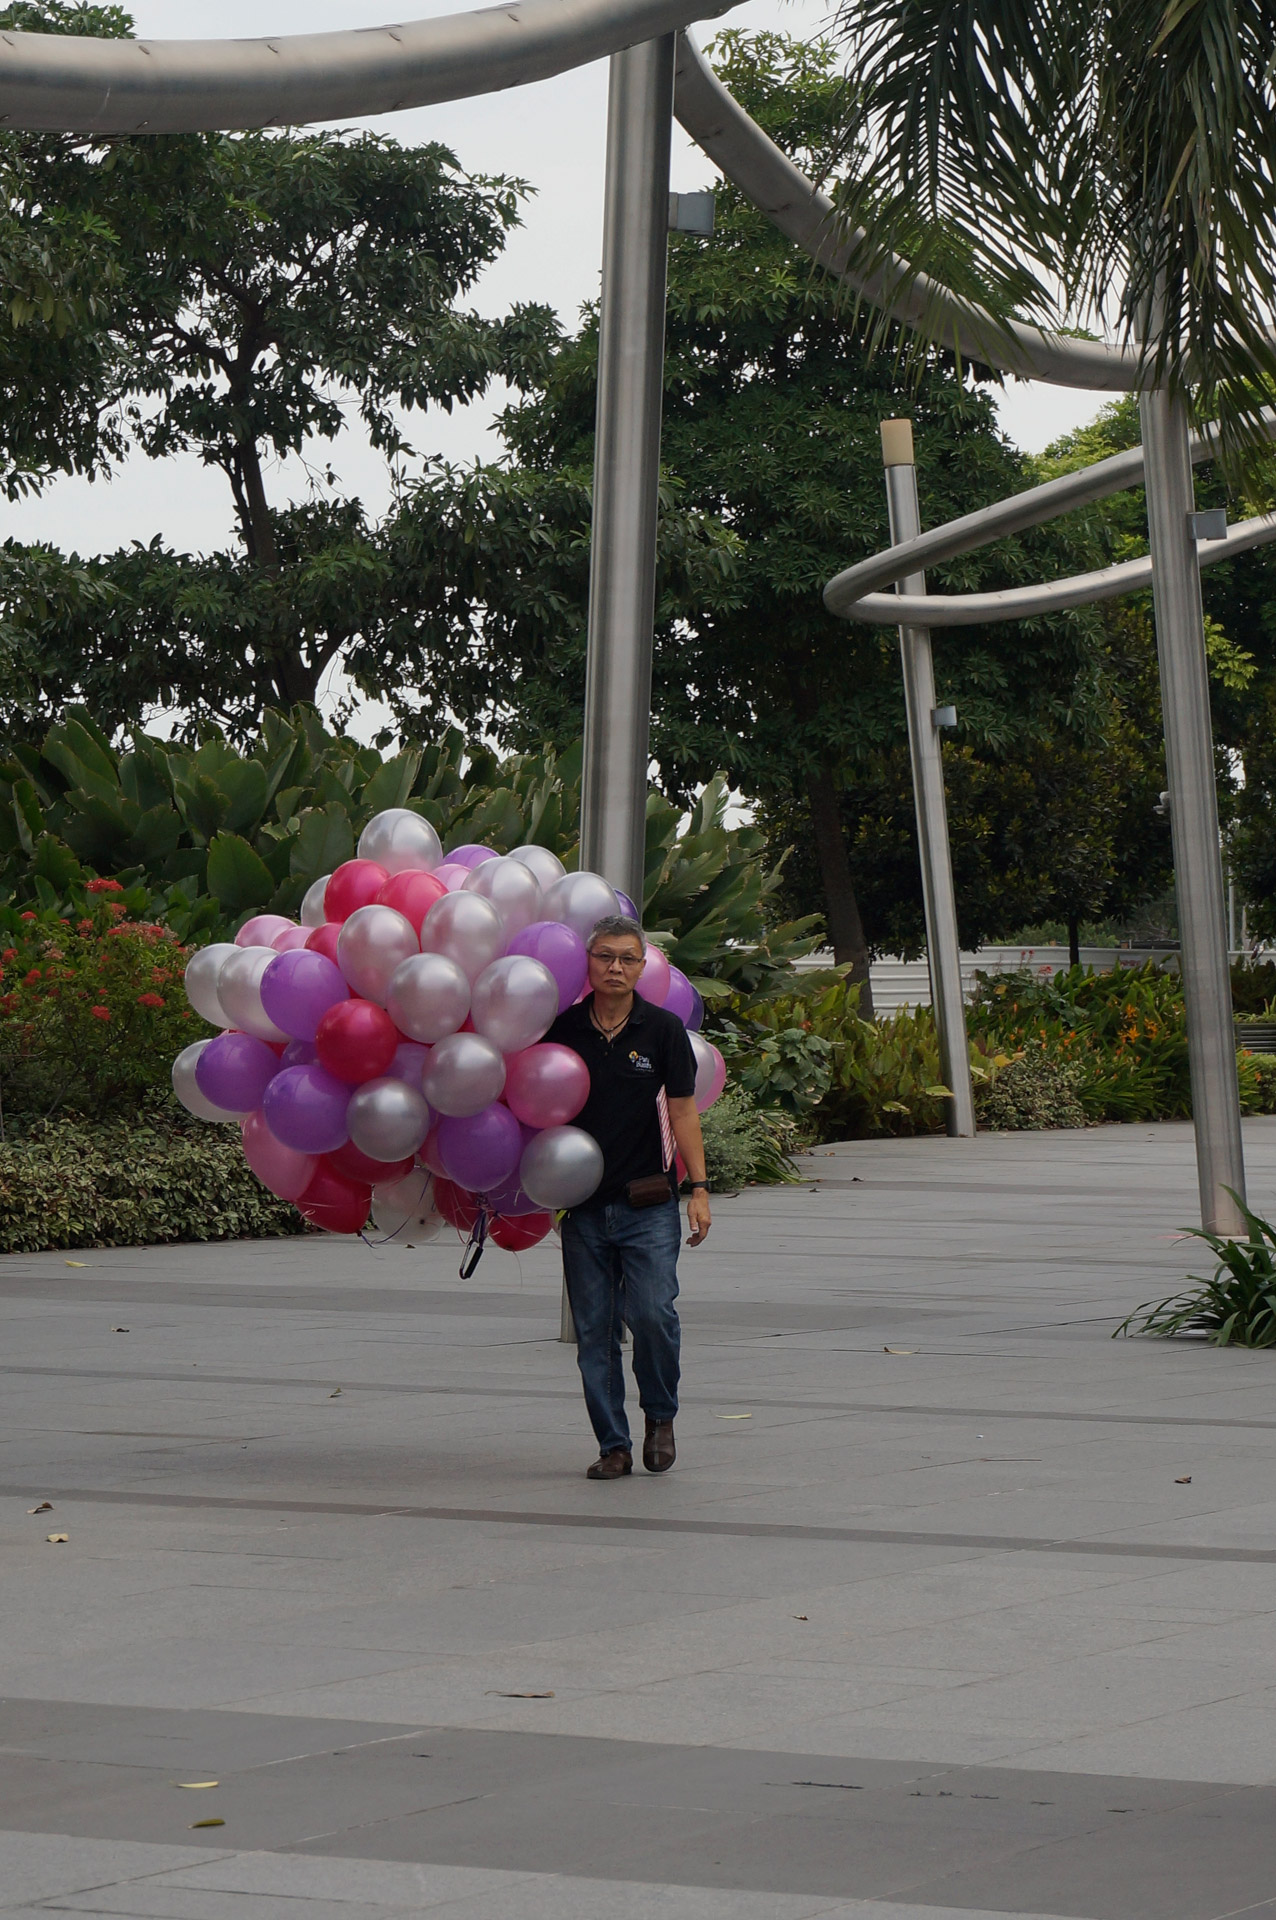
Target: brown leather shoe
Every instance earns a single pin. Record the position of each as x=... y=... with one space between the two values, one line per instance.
x=611 y=1466
x=658 y=1450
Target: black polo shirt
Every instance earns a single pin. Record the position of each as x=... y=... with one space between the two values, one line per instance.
x=651 y=1051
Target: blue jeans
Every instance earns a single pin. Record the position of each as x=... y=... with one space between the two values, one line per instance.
x=621 y=1263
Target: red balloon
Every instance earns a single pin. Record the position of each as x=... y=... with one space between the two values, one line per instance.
x=521 y=1232
x=459 y=1208
x=324 y=940
x=412 y=894
x=356 y=883
x=356 y=1040
x=355 y=1164
x=335 y=1203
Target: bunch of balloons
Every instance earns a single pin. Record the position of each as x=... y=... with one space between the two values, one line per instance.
x=385 y=1057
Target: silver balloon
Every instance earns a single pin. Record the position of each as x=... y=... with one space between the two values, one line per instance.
x=311 y=914
x=404 y=1210
x=387 y=1118
x=580 y=901
x=239 y=990
x=466 y=928
x=560 y=1167
x=539 y=860
x=202 y=970
x=373 y=943
x=186 y=1087
x=463 y=1074
x=428 y=996
x=401 y=842
x=515 y=1002
x=512 y=889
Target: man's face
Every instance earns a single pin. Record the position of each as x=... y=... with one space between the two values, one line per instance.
x=615 y=961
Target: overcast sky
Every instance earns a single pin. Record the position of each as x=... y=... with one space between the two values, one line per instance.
x=552 y=135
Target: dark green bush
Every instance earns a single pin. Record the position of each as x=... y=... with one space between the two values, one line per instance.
x=121 y=1183
x=1253 y=987
x=745 y=1144
x=1033 y=1091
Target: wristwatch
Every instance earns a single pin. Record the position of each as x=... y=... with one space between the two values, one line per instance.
x=693 y=1184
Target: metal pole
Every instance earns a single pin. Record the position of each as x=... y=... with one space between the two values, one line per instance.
x=622 y=567
x=943 y=947
x=1189 y=761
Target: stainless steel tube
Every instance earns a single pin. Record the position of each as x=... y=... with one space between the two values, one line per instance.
x=622 y=567
x=943 y=947
x=1189 y=761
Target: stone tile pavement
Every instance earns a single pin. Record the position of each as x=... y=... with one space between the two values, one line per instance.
x=952 y=1607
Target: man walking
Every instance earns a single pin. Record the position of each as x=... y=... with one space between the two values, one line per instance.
x=620 y=1247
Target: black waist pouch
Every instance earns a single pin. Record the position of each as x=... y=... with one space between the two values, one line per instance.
x=651 y=1191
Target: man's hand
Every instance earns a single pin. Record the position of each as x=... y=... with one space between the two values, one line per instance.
x=698 y=1216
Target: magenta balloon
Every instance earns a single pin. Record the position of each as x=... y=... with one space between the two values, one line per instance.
x=298 y=1053
x=546 y=1085
x=262 y=929
x=285 y=1171
x=291 y=937
x=679 y=998
x=407 y=1064
x=470 y=855
x=653 y=981
x=298 y=988
x=560 y=949
x=453 y=877
x=480 y=1150
x=234 y=1071
x=305 y=1108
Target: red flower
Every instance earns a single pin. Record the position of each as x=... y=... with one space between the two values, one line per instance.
x=116 y=906
x=104 y=886
x=26 y=916
x=29 y=979
x=10 y=953
x=149 y=1000
x=100 y=1013
x=84 y=926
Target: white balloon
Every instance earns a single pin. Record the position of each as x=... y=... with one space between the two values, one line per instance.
x=387 y=1118
x=404 y=1209
x=311 y=914
x=580 y=901
x=466 y=928
x=512 y=889
x=186 y=1087
x=428 y=996
x=545 y=865
x=463 y=1074
x=202 y=970
x=239 y=990
x=515 y=1002
x=401 y=842
x=561 y=1167
x=372 y=944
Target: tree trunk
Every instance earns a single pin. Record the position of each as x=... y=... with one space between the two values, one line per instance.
x=254 y=510
x=1074 y=943
x=846 y=929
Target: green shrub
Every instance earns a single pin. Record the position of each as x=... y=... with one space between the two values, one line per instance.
x=1253 y=987
x=1035 y=1090
x=745 y=1144
x=133 y=1183
x=1235 y=1307
x=1257 y=1075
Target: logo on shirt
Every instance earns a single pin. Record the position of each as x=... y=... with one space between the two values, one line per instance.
x=640 y=1061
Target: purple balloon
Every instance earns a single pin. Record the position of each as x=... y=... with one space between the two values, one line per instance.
x=470 y=855
x=510 y=1199
x=298 y=988
x=681 y=997
x=695 y=1019
x=561 y=950
x=305 y=1108
x=626 y=905
x=234 y=1071
x=409 y=1058
x=480 y=1150
x=298 y=1053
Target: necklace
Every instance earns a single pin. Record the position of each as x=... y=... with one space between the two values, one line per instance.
x=608 y=1033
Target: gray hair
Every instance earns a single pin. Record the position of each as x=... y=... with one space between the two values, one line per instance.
x=617 y=923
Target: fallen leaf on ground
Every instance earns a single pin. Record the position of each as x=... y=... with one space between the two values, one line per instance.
x=500 y=1694
x=205 y=1823
x=899 y=1349
x=57 y=1539
x=334 y=1393
x=75 y=1263
x=733 y=1416
x=195 y=1785
x=801 y=1616
x=45 y=1506
x=121 y=1329
x=1185 y=1481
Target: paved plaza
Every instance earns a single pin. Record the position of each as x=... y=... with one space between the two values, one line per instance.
x=951 y=1607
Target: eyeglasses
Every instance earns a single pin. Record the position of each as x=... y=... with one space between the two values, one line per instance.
x=626 y=960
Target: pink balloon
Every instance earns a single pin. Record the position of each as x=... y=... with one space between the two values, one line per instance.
x=428 y=1153
x=711 y=1072
x=262 y=929
x=453 y=875
x=282 y=1169
x=546 y=1085
x=290 y=937
x=653 y=981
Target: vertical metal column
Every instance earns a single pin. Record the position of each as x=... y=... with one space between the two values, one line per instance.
x=1189 y=761
x=622 y=568
x=943 y=947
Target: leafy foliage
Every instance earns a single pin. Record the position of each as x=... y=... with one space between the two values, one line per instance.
x=746 y=1144
x=1031 y=1092
x=1235 y=1307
